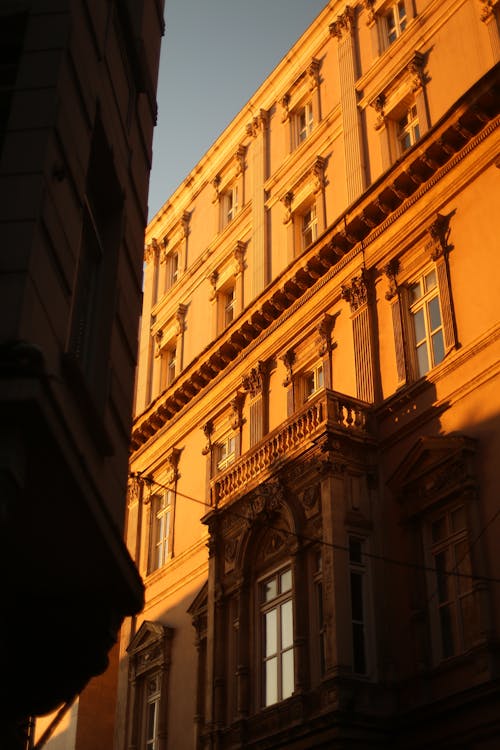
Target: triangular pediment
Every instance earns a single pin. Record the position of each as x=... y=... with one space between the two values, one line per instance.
x=149 y=633
x=199 y=603
x=429 y=455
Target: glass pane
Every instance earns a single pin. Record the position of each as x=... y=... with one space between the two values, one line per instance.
x=286 y=624
x=430 y=280
x=269 y=590
x=463 y=566
x=286 y=581
x=151 y=722
x=270 y=635
x=441 y=576
x=271 y=679
x=458 y=519
x=358 y=648
x=415 y=292
x=357 y=596
x=434 y=313
x=422 y=359
x=447 y=641
x=469 y=620
x=287 y=684
x=320 y=376
x=438 y=529
x=437 y=347
x=355 y=550
x=419 y=325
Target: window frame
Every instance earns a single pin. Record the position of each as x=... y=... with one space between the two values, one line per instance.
x=229 y=205
x=313 y=380
x=222 y=462
x=302 y=131
x=157 y=537
x=308 y=226
x=400 y=24
x=422 y=303
x=265 y=607
x=358 y=570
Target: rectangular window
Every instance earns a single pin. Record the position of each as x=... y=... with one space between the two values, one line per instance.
x=172 y=271
x=277 y=637
x=395 y=21
x=151 y=711
x=161 y=507
x=229 y=205
x=313 y=381
x=457 y=614
x=168 y=366
x=318 y=588
x=357 y=568
x=303 y=123
x=228 y=302
x=309 y=227
x=425 y=313
x=408 y=130
x=226 y=452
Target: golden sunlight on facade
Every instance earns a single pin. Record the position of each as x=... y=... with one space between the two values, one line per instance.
x=313 y=499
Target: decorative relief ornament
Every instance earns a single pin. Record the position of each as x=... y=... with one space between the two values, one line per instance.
x=391 y=270
x=439 y=232
x=173 y=465
x=239 y=257
x=416 y=69
x=237 y=402
x=287 y=201
x=344 y=24
x=213 y=278
x=208 y=431
x=370 y=9
x=185 y=218
x=216 y=185
x=379 y=106
x=356 y=293
x=180 y=317
x=318 y=174
x=288 y=360
x=254 y=382
x=285 y=104
x=488 y=10
x=151 y=250
x=313 y=73
x=325 y=330
x=240 y=159
x=258 y=123
x=158 y=340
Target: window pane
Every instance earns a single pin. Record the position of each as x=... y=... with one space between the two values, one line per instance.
x=357 y=596
x=447 y=641
x=271 y=686
x=287 y=674
x=469 y=619
x=437 y=347
x=442 y=577
x=430 y=280
x=270 y=636
x=423 y=359
x=419 y=325
x=286 y=624
x=434 y=313
x=415 y=292
x=285 y=581
x=358 y=647
x=269 y=590
x=355 y=550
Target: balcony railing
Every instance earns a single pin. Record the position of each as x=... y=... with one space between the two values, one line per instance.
x=328 y=411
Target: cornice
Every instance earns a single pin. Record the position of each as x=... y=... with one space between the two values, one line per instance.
x=470 y=122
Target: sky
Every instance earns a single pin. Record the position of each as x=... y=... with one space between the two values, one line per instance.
x=215 y=55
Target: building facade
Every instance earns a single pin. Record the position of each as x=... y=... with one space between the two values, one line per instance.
x=77 y=111
x=312 y=501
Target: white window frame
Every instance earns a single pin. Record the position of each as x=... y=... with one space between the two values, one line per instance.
x=229 y=204
x=313 y=380
x=172 y=269
x=152 y=685
x=276 y=651
x=303 y=123
x=408 y=129
x=395 y=22
x=160 y=547
x=225 y=451
x=309 y=226
x=427 y=351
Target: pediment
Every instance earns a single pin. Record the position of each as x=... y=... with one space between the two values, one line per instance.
x=436 y=465
x=200 y=602
x=149 y=633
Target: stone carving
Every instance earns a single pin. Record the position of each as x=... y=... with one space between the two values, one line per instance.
x=325 y=330
x=356 y=293
x=185 y=218
x=313 y=73
x=180 y=317
x=237 y=410
x=255 y=381
x=391 y=270
x=208 y=431
x=239 y=257
x=344 y=23
x=318 y=174
x=288 y=360
x=439 y=232
x=285 y=104
x=416 y=69
x=173 y=465
x=151 y=251
x=258 y=123
x=216 y=186
x=287 y=202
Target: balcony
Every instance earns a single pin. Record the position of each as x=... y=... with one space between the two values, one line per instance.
x=328 y=413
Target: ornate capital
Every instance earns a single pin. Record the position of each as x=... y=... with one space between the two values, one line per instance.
x=379 y=106
x=488 y=9
x=240 y=158
x=213 y=278
x=287 y=201
x=370 y=10
x=256 y=379
x=344 y=24
x=313 y=72
x=391 y=271
x=173 y=465
x=288 y=360
x=258 y=123
x=151 y=251
x=158 y=340
x=356 y=293
x=439 y=232
x=318 y=173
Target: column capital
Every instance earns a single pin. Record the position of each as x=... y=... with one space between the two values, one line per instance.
x=439 y=232
x=356 y=292
x=343 y=26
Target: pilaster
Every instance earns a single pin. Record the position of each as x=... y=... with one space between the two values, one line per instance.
x=258 y=129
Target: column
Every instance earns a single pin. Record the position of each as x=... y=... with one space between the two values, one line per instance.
x=490 y=15
x=258 y=129
x=344 y=29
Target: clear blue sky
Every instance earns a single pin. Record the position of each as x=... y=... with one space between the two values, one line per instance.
x=215 y=55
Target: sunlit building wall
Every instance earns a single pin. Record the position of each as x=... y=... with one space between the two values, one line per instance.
x=312 y=501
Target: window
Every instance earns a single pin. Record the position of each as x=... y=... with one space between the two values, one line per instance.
x=161 y=506
x=408 y=131
x=228 y=300
x=303 y=123
x=226 y=452
x=456 y=610
x=229 y=205
x=152 y=706
x=357 y=568
x=318 y=592
x=172 y=269
x=395 y=21
x=425 y=313
x=313 y=381
x=168 y=366
x=309 y=227
x=277 y=637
